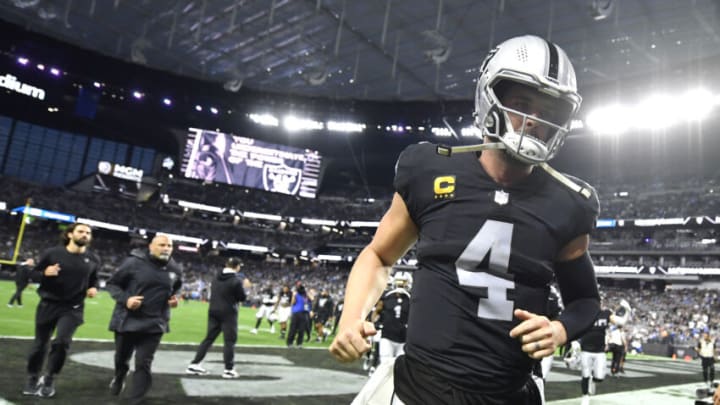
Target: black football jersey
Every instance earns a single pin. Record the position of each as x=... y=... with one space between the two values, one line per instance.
x=594 y=339
x=483 y=251
x=394 y=315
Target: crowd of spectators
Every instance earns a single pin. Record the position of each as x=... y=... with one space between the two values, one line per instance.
x=675 y=317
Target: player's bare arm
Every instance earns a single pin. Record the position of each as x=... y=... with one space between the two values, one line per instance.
x=394 y=236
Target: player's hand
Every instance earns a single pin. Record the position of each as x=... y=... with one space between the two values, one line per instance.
x=52 y=271
x=173 y=301
x=351 y=342
x=716 y=397
x=91 y=292
x=134 y=302
x=247 y=283
x=538 y=335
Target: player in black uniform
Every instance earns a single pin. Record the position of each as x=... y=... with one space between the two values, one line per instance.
x=592 y=357
x=22 y=279
x=394 y=308
x=69 y=274
x=323 y=309
x=227 y=291
x=492 y=232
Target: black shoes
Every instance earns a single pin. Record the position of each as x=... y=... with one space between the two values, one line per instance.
x=43 y=387
x=47 y=387
x=32 y=386
x=117 y=384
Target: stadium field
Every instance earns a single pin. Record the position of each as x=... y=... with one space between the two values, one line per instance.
x=270 y=373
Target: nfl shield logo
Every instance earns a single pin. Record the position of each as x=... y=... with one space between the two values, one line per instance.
x=501 y=197
x=281 y=179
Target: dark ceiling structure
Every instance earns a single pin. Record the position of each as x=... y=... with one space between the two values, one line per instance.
x=387 y=50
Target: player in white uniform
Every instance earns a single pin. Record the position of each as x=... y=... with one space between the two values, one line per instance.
x=266 y=310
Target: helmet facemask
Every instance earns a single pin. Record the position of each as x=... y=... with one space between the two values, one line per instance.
x=529 y=144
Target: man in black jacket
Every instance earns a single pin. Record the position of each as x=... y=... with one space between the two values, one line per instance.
x=144 y=288
x=67 y=275
x=226 y=292
x=22 y=278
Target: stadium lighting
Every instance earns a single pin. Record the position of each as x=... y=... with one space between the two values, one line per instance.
x=258 y=215
x=292 y=123
x=202 y=207
x=314 y=221
x=697 y=104
x=470 y=131
x=656 y=112
x=198 y=108
x=611 y=120
x=23 y=60
x=440 y=132
x=251 y=248
x=214 y=110
x=55 y=71
x=97 y=85
x=40 y=66
x=137 y=95
x=330 y=258
x=264 y=119
x=167 y=101
x=345 y=126
x=364 y=224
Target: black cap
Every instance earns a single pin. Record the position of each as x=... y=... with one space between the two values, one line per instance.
x=233 y=262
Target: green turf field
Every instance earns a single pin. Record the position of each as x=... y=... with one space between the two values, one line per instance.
x=187 y=325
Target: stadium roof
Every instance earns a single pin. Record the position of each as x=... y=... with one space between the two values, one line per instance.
x=380 y=49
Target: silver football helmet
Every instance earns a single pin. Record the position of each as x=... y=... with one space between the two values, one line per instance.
x=540 y=65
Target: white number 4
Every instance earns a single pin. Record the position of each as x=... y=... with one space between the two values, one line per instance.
x=494 y=237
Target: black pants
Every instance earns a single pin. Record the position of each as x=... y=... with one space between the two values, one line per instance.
x=63 y=319
x=144 y=345
x=227 y=324
x=17 y=297
x=415 y=384
x=708 y=366
x=617 y=355
x=298 y=327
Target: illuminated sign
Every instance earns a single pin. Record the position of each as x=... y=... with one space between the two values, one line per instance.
x=219 y=157
x=47 y=214
x=120 y=171
x=10 y=82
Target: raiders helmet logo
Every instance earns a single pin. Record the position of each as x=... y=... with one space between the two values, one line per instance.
x=281 y=179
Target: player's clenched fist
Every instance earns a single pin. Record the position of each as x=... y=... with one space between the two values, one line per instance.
x=352 y=342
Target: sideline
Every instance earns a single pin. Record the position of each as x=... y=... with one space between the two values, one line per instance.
x=169 y=344
x=667 y=395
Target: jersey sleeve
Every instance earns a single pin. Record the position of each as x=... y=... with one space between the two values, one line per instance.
x=409 y=168
x=586 y=216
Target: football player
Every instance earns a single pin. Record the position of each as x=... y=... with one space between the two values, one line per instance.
x=593 y=361
x=266 y=310
x=393 y=309
x=493 y=228
x=323 y=308
x=282 y=308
